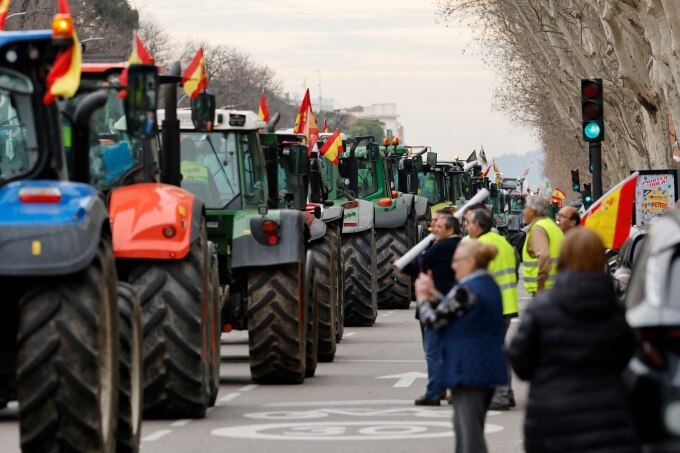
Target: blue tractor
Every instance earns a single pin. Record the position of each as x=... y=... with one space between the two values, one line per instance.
x=59 y=335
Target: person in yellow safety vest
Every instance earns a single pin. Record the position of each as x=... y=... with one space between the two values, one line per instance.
x=195 y=175
x=541 y=247
x=503 y=269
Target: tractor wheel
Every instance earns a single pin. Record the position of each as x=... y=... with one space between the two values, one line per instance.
x=359 y=266
x=312 y=318
x=215 y=331
x=395 y=288
x=130 y=385
x=340 y=292
x=175 y=307
x=67 y=365
x=324 y=252
x=276 y=324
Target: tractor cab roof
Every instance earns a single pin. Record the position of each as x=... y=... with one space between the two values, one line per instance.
x=224 y=120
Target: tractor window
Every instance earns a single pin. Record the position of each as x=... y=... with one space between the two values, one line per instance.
x=327 y=173
x=253 y=174
x=368 y=178
x=18 y=139
x=516 y=203
x=429 y=186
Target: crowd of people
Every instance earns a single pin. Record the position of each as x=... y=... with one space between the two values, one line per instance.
x=572 y=343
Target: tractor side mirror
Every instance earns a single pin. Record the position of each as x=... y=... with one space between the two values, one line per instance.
x=431 y=159
x=298 y=161
x=141 y=101
x=344 y=168
x=203 y=112
x=372 y=151
x=408 y=166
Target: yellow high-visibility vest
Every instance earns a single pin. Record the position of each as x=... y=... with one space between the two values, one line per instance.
x=502 y=269
x=193 y=171
x=530 y=264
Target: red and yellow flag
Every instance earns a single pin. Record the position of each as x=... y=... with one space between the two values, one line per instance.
x=486 y=172
x=305 y=123
x=557 y=196
x=325 y=126
x=332 y=149
x=495 y=167
x=195 y=77
x=64 y=76
x=4 y=8
x=263 y=113
x=611 y=216
x=138 y=55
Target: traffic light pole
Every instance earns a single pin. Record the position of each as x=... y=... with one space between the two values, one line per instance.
x=596 y=161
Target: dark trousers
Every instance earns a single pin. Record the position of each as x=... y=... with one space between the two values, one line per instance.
x=469 y=411
x=504 y=393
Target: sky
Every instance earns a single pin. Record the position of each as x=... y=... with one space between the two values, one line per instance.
x=361 y=52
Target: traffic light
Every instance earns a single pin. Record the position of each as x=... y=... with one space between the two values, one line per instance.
x=575 y=181
x=587 y=195
x=592 y=108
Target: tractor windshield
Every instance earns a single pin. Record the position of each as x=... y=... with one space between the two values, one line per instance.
x=217 y=167
x=18 y=138
x=516 y=203
x=429 y=186
x=368 y=178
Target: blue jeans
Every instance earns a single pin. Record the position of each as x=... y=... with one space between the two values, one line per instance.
x=431 y=346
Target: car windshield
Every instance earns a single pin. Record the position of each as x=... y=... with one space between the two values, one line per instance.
x=217 y=167
x=18 y=138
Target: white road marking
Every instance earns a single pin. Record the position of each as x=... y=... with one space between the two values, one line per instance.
x=378 y=361
x=247 y=388
x=388 y=313
x=229 y=397
x=405 y=379
x=348 y=334
x=183 y=422
x=157 y=435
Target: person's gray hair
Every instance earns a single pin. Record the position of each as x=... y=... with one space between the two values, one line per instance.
x=540 y=205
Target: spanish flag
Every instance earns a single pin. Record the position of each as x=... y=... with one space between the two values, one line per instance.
x=305 y=123
x=263 y=113
x=138 y=55
x=557 y=196
x=612 y=215
x=495 y=167
x=325 y=126
x=195 y=77
x=486 y=172
x=332 y=149
x=64 y=76
x=4 y=7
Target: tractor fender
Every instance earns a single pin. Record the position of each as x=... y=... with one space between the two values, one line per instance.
x=153 y=221
x=356 y=220
x=394 y=218
x=421 y=207
x=332 y=213
x=317 y=229
x=56 y=238
x=248 y=249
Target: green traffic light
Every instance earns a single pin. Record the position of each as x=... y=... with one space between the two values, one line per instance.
x=575 y=187
x=591 y=130
x=589 y=198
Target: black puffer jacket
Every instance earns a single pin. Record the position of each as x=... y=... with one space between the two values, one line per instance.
x=573 y=343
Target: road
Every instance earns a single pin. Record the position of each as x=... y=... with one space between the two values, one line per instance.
x=362 y=402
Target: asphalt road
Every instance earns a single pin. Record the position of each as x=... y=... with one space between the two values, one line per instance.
x=361 y=402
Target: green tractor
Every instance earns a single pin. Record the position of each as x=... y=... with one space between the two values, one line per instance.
x=290 y=181
x=264 y=263
x=366 y=172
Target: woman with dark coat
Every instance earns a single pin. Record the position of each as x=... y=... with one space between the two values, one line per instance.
x=471 y=344
x=573 y=344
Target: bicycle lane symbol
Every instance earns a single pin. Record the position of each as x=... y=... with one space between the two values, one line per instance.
x=426 y=424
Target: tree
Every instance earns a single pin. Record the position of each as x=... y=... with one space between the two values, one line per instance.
x=368 y=126
x=543 y=49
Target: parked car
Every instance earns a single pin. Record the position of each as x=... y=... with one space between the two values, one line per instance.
x=653 y=312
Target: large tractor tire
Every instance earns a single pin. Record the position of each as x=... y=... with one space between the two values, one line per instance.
x=130 y=388
x=175 y=306
x=215 y=332
x=340 y=292
x=324 y=252
x=395 y=288
x=277 y=327
x=311 y=291
x=67 y=365
x=360 y=270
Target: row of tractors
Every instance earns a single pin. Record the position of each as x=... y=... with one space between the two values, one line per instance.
x=132 y=236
